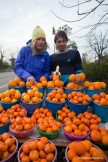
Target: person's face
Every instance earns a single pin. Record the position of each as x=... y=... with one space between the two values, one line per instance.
x=40 y=43
x=61 y=44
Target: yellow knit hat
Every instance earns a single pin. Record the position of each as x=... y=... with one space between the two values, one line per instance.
x=38 y=33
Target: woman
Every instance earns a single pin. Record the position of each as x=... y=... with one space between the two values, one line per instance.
x=69 y=61
x=33 y=61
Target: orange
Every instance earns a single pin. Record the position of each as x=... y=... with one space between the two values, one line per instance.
x=32 y=145
x=42 y=154
x=17 y=80
x=50 y=157
x=22 y=84
x=25 y=159
x=33 y=155
x=95 y=135
x=42 y=78
x=77 y=159
x=5 y=136
x=68 y=129
x=50 y=84
x=72 y=77
x=47 y=148
x=70 y=154
x=44 y=139
x=26 y=148
x=104 y=139
x=26 y=98
x=12 y=83
x=40 y=145
x=81 y=76
x=39 y=85
x=80 y=148
x=55 y=77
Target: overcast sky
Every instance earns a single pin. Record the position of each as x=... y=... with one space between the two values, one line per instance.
x=19 y=18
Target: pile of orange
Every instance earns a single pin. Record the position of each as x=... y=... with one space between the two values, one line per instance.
x=65 y=114
x=84 y=151
x=88 y=118
x=4 y=118
x=40 y=114
x=9 y=96
x=2 y=110
x=73 y=77
x=99 y=134
x=21 y=124
x=32 y=96
x=17 y=82
x=73 y=85
x=79 y=97
x=101 y=99
x=57 y=95
x=55 y=82
x=7 y=146
x=49 y=124
x=94 y=85
x=36 y=150
x=16 y=111
x=36 y=85
x=76 y=128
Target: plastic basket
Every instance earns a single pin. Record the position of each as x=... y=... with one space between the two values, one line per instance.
x=5 y=128
x=31 y=107
x=21 y=89
x=39 y=89
x=92 y=92
x=20 y=149
x=48 y=90
x=101 y=111
x=68 y=148
x=78 y=108
x=100 y=145
x=22 y=134
x=9 y=105
x=51 y=135
x=68 y=91
x=54 y=107
x=71 y=137
x=12 y=156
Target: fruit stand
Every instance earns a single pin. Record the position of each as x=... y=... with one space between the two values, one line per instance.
x=63 y=117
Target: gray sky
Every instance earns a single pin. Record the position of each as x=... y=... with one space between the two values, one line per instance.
x=19 y=18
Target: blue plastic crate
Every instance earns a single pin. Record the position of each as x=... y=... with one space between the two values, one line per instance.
x=4 y=128
x=9 y=105
x=68 y=91
x=54 y=107
x=101 y=111
x=31 y=107
x=92 y=92
x=21 y=89
x=78 y=108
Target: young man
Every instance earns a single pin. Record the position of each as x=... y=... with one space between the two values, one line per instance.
x=69 y=61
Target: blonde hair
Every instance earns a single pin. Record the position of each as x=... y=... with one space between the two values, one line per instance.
x=34 y=50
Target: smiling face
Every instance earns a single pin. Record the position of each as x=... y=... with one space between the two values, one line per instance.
x=40 y=44
x=61 y=44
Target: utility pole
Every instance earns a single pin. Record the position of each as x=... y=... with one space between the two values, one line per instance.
x=53 y=32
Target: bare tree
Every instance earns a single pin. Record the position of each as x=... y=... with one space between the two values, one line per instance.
x=2 y=56
x=68 y=30
x=83 y=11
x=99 y=45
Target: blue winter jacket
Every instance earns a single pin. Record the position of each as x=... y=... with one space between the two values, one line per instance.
x=28 y=65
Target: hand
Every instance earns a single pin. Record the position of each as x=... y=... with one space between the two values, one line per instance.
x=79 y=80
x=31 y=79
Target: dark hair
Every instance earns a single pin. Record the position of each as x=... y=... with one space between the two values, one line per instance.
x=59 y=34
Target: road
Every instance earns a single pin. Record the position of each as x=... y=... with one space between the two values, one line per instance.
x=4 y=79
